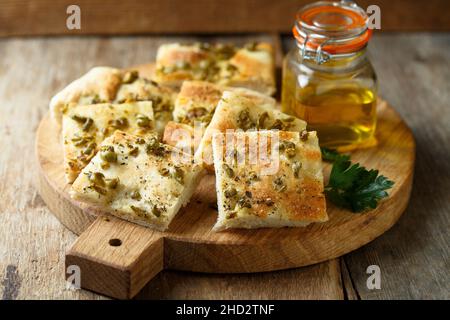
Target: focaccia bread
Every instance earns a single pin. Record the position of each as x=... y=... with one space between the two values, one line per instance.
x=251 y=66
x=283 y=187
x=85 y=127
x=252 y=112
x=105 y=84
x=183 y=136
x=146 y=182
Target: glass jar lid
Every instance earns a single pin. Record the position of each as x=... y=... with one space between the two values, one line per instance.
x=326 y=29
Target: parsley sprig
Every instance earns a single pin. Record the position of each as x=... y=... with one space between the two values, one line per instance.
x=352 y=186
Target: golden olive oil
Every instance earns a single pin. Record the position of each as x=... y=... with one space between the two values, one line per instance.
x=343 y=112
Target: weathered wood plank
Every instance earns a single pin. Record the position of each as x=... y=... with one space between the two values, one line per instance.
x=44 y=17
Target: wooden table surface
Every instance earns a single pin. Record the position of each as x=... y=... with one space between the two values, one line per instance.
x=414 y=74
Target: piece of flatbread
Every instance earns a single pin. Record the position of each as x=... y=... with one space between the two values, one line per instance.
x=251 y=66
x=183 y=136
x=278 y=188
x=147 y=186
x=252 y=112
x=85 y=127
x=105 y=84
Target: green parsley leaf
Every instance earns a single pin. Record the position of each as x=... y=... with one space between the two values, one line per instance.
x=352 y=186
x=331 y=155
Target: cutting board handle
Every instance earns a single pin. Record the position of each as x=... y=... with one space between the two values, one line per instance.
x=115 y=257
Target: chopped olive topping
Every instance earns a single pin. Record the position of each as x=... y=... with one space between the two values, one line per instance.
x=244 y=203
x=120 y=123
x=99 y=189
x=143 y=121
x=277 y=125
x=262 y=118
x=230 y=192
x=90 y=148
x=269 y=202
x=164 y=171
x=112 y=183
x=86 y=122
x=296 y=166
x=279 y=185
x=81 y=141
x=289 y=119
x=231 y=215
x=130 y=76
x=140 y=141
x=304 y=135
x=196 y=112
x=248 y=194
x=252 y=177
x=134 y=151
x=107 y=153
x=290 y=152
x=97 y=178
x=244 y=121
x=135 y=195
x=228 y=170
x=139 y=211
x=178 y=175
x=104 y=165
x=154 y=147
x=157 y=211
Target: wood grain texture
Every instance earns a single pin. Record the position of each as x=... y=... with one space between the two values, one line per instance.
x=44 y=17
x=190 y=244
x=413 y=255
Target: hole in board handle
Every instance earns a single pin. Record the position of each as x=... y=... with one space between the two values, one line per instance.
x=115 y=242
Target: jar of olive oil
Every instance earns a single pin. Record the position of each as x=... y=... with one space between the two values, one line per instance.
x=328 y=80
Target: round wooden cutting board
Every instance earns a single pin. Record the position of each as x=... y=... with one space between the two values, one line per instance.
x=118 y=258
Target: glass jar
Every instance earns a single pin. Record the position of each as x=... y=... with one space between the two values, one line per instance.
x=328 y=80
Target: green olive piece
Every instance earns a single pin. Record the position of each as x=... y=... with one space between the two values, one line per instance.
x=130 y=76
x=290 y=152
x=120 y=123
x=99 y=190
x=97 y=178
x=262 y=118
x=277 y=125
x=79 y=119
x=304 y=135
x=138 y=211
x=178 y=175
x=135 y=195
x=134 y=152
x=279 y=185
x=296 y=166
x=230 y=192
x=112 y=183
x=108 y=155
x=156 y=211
x=228 y=170
x=88 y=124
x=244 y=121
x=244 y=203
x=143 y=121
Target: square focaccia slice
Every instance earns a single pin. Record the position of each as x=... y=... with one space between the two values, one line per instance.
x=85 y=127
x=140 y=89
x=105 y=84
x=268 y=179
x=183 y=136
x=251 y=66
x=144 y=181
x=246 y=112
